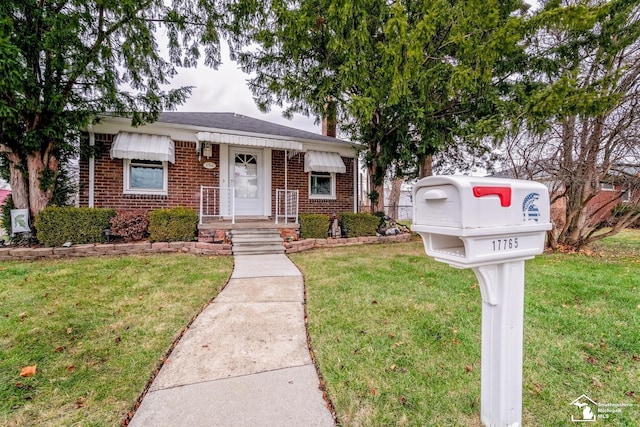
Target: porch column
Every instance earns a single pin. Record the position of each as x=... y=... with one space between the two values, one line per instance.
x=92 y=166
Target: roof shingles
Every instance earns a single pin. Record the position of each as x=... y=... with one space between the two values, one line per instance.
x=238 y=122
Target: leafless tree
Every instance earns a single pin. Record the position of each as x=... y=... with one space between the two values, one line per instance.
x=593 y=132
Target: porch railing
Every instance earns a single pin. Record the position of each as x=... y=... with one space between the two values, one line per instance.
x=217 y=202
x=286 y=206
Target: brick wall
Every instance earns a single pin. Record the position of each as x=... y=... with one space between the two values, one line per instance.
x=298 y=179
x=187 y=174
x=598 y=208
x=184 y=179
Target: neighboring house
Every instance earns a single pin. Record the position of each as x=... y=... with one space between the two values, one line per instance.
x=226 y=166
x=622 y=186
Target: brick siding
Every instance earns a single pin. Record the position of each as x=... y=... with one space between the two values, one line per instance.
x=298 y=179
x=188 y=173
x=184 y=179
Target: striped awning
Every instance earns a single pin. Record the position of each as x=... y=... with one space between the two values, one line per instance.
x=141 y=146
x=320 y=161
x=248 y=141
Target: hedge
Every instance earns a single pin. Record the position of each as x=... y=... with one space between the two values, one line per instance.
x=359 y=224
x=313 y=226
x=57 y=225
x=173 y=225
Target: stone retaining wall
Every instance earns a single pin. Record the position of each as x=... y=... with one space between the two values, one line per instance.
x=306 y=244
x=196 y=248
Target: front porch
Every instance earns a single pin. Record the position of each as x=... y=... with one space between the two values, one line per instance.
x=220 y=230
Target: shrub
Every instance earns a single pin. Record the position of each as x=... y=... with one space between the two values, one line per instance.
x=173 y=225
x=313 y=226
x=57 y=225
x=130 y=225
x=359 y=224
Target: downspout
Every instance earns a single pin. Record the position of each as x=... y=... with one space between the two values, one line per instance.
x=286 y=163
x=355 y=184
x=92 y=166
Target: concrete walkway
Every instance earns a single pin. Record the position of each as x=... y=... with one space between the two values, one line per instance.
x=244 y=361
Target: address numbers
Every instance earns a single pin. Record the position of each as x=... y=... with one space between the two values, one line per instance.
x=505 y=244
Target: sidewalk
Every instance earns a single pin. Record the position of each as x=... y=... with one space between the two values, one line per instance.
x=244 y=361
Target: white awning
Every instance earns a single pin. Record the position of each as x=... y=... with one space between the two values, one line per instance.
x=320 y=161
x=140 y=146
x=249 y=141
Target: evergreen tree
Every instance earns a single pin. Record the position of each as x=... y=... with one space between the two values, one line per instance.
x=63 y=62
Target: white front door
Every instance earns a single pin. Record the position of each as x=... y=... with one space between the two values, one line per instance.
x=245 y=175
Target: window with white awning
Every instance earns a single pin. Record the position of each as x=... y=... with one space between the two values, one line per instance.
x=320 y=161
x=145 y=159
x=140 y=146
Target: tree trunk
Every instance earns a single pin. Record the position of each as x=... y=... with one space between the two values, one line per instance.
x=394 y=196
x=377 y=205
x=426 y=167
x=40 y=193
x=18 y=182
x=28 y=190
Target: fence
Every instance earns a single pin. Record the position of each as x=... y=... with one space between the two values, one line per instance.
x=212 y=201
x=397 y=212
x=287 y=205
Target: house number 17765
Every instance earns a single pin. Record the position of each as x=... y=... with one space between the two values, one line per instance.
x=505 y=244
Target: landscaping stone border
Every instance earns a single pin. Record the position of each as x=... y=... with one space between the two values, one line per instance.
x=306 y=244
x=195 y=248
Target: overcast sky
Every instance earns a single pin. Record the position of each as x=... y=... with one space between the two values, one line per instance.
x=225 y=90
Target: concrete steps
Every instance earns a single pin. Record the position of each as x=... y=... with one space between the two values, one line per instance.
x=256 y=241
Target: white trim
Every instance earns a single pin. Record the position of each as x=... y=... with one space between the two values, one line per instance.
x=92 y=168
x=223 y=178
x=126 y=188
x=248 y=141
x=266 y=181
x=331 y=196
x=625 y=196
x=604 y=186
x=356 y=167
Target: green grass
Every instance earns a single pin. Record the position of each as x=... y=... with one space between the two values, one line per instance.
x=96 y=328
x=397 y=335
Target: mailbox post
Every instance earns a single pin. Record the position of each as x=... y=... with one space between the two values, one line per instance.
x=492 y=226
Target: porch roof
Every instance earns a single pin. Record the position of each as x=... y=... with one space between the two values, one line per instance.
x=142 y=146
x=320 y=161
x=225 y=138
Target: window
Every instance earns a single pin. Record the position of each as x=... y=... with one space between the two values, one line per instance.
x=145 y=177
x=322 y=185
x=626 y=196
x=607 y=186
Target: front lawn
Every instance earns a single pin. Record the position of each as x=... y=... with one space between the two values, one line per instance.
x=95 y=329
x=397 y=335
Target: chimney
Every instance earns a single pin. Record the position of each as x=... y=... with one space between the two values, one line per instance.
x=329 y=126
x=329 y=120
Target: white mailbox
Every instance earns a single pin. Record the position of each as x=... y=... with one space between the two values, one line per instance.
x=470 y=221
x=490 y=225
